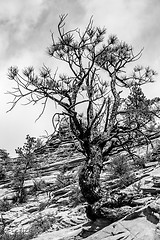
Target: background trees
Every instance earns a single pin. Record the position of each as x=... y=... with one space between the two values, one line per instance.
x=25 y=162
x=5 y=164
x=106 y=107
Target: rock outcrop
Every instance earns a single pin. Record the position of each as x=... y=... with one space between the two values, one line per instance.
x=54 y=199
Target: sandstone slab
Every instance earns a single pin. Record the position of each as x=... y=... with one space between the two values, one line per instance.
x=137 y=229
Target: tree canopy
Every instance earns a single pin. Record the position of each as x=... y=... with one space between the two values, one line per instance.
x=106 y=107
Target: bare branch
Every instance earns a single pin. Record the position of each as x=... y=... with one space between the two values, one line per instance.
x=93 y=86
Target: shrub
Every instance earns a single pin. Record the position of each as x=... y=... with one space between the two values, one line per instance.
x=18 y=235
x=42 y=224
x=156 y=151
x=137 y=188
x=149 y=157
x=75 y=196
x=5 y=205
x=140 y=161
x=119 y=166
x=63 y=180
x=38 y=185
x=2 y=172
x=127 y=179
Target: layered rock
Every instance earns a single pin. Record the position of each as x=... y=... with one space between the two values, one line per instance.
x=60 y=155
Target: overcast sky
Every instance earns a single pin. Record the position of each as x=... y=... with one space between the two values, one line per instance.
x=25 y=34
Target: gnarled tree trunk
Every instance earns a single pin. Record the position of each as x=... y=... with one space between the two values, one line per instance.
x=89 y=177
x=100 y=206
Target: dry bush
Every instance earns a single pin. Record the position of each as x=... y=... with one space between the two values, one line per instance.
x=121 y=168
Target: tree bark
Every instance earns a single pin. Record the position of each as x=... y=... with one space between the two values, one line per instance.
x=89 y=177
x=109 y=207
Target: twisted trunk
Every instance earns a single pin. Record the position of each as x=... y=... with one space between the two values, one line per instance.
x=89 y=180
x=89 y=177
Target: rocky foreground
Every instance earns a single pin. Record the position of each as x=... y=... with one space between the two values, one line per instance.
x=55 y=209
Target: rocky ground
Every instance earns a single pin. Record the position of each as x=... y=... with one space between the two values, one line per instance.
x=55 y=209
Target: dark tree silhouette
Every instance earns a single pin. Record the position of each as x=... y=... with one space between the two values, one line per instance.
x=92 y=96
x=5 y=164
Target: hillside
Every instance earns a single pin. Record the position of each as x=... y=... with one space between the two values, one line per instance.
x=55 y=209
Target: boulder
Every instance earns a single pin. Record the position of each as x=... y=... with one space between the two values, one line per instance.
x=142 y=224
x=139 y=228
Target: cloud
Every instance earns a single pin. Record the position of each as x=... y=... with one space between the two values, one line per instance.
x=133 y=21
x=26 y=25
x=17 y=22
x=119 y=17
x=25 y=33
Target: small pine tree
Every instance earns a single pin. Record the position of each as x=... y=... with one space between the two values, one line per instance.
x=25 y=161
